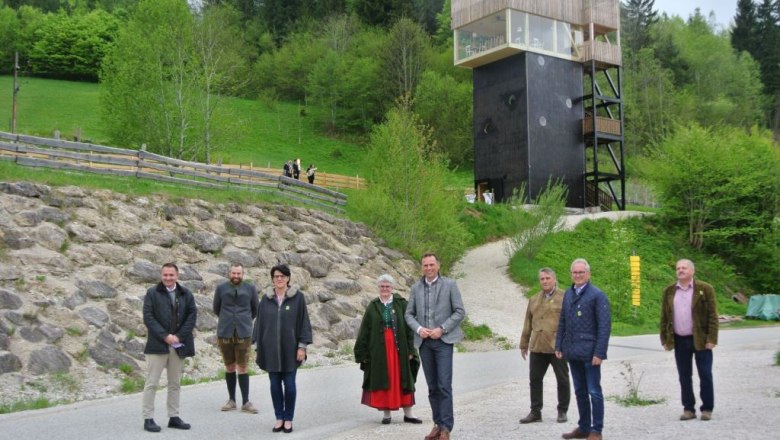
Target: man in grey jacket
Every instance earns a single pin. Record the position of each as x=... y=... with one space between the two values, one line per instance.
x=434 y=313
x=235 y=303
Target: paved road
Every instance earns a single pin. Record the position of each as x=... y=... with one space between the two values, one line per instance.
x=328 y=403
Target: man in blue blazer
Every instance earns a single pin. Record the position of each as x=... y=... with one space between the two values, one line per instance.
x=582 y=339
x=434 y=313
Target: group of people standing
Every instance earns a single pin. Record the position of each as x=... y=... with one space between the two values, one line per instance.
x=292 y=169
x=568 y=330
x=397 y=335
x=277 y=322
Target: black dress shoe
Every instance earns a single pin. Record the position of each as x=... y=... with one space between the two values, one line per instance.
x=150 y=426
x=178 y=423
x=280 y=428
x=414 y=420
x=386 y=421
x=288 y=430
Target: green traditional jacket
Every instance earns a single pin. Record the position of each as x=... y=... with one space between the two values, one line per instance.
x=370 y=346
x=704 y=311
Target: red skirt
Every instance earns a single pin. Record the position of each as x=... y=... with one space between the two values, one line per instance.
x=392 y=398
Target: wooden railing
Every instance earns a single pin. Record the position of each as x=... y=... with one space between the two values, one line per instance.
x=60 y=154
x=603 y=125
x=604 y=53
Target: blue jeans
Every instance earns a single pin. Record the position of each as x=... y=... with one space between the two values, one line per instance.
x=436 y=357
x=684 y=353
x=283 y=398
x=587 y=389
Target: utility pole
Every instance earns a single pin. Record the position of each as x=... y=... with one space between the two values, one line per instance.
x=16 y=90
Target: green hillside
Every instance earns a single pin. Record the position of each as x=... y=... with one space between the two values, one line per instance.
x=264 y=134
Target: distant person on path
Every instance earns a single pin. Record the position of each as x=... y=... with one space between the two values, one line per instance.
x=310 y=173
x=582 y=339
x=235 y=304
x=539 y=330
x=170 y=313
x=282 y=333
x=288 y=169
x=384 y=348
x=434 y=313
x=689 y=325
x=297 y=169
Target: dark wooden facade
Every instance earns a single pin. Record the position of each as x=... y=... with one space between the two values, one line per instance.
x=528 y=125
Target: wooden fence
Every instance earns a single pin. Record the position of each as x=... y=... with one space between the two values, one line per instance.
x=60 y=154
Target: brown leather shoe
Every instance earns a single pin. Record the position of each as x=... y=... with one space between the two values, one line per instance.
x=577 y=433
x=531 y=417
x=688 y=415
x=434 y=435
x=594 y=435
x=706 y=415
x=444 y=435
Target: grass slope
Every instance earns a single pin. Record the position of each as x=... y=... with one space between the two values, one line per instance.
x=263 y=134
x=607 y=246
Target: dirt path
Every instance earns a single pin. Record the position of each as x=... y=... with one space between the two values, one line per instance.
x=490 y=296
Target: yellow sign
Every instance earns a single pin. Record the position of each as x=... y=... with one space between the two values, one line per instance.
x=633 y=262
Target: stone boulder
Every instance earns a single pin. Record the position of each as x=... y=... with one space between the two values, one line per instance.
x=9 y=300
x=28 y=218
x=25 y=189
x=238 y=227
x=94 y=316
x=144 y=271
x=83 y=233
x=49 y=359
x=16 y=239
x=53 y=215
x=51 y=332
x=9 y=362
x=9 y=273
x=105 y=351
x=74 y=300
x=204 y=241
x=188 y=273
x=49 y=236
x=317 y=265
x=96 y=289
x=163 y=238
x=343 y=287
x=31 y=334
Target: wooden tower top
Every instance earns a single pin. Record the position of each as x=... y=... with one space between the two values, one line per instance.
x=579 y=30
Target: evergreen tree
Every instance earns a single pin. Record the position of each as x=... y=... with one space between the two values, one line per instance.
x=280 y=17
x=383 y=13
x=767 y=52
x=637 y=16
x=743 y=36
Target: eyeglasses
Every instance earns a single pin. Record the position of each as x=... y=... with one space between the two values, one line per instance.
x=579 y=272
x=385 y=287
x=280 y=277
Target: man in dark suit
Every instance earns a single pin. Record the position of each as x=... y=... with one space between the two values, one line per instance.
x=582 y=339
x=434 y=313
x=170 y=314
x=689 y=325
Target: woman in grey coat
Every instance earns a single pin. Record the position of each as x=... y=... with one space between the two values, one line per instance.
x=282 y=332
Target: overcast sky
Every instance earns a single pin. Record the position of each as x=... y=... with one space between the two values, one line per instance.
x=724 y=9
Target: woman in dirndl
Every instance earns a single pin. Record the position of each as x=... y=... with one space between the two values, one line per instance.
x=385 y=351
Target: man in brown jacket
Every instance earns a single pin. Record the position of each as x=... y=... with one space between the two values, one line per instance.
x=689 y=325
x=541 y=324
